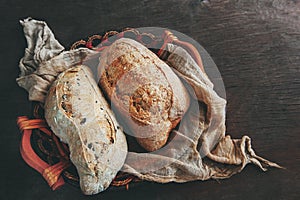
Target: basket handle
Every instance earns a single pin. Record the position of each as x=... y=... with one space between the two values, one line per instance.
x=51 y=173
x=169 y=37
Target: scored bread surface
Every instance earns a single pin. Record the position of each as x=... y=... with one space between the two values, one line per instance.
x=144 y=90
x=79 y=115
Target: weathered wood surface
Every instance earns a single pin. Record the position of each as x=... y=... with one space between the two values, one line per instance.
x=256 y=46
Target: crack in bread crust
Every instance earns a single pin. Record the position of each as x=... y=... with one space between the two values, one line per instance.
x=79 y=115
x=146 y=93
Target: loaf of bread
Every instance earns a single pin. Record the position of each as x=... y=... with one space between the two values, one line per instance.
x=79 y=115
x=144 y=90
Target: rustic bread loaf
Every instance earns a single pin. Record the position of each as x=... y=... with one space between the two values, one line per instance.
x=79 y=115
x=144 y=90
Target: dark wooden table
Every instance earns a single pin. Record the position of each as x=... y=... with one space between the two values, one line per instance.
x=256 y=47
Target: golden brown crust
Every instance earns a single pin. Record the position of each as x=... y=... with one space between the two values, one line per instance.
x=146 y=92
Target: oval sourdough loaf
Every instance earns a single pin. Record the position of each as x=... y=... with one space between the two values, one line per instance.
x=78 y=114
x=144 y=90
